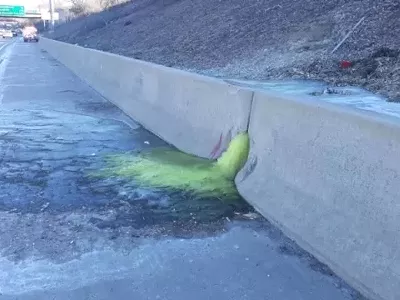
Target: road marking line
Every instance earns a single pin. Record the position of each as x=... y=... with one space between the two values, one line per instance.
x=5 y=45
x=4 y=57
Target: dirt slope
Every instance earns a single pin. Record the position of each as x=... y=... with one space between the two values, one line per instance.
x=255 y=39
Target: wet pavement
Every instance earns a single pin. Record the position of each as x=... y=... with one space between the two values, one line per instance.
x=65 y=234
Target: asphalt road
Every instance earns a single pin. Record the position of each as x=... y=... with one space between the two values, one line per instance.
x=66 y=235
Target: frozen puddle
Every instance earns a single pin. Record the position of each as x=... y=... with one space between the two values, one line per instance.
x=348 y=95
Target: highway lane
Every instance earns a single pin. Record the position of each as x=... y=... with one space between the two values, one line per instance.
x=67 y=235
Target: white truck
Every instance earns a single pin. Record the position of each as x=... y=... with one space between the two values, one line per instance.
x=29 y=33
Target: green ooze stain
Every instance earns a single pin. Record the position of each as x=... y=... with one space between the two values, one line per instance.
x=167 y=168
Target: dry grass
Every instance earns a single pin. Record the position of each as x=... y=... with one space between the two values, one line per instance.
x=254 y=39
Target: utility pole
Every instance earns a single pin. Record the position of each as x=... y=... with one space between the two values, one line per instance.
x=51 y=2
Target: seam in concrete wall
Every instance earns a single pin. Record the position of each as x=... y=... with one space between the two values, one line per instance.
x=251 y=109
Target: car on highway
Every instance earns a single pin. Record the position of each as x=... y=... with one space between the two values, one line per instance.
x=7 y=34
x=30 y=33
x=31 y=37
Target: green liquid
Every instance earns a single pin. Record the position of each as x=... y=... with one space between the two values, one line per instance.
x=168 y=168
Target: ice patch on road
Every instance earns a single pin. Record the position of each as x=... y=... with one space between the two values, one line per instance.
x=35 y=275
x=169 y=269
x=126 y=261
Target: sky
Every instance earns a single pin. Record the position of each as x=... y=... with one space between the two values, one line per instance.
x=28 y=3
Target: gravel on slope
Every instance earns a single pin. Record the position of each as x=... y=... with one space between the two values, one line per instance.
x=255 y=39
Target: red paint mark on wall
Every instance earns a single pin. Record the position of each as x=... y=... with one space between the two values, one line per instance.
x=216 y=147
x=221 y=145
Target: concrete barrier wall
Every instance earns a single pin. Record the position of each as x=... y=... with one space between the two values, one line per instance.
x=195 y=113
x=330 y=177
